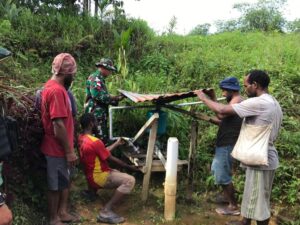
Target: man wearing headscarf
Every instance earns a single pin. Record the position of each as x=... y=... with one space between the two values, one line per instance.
x=57 y=144
x=97 y=97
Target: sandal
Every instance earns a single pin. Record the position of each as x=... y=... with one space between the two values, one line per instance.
x=110 y=219
x=228 y=212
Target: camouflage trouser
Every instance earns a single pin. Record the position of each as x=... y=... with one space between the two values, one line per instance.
x=103 y=129
x=101 y=115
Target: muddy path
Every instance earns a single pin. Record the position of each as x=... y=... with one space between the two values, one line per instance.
x=198 y=212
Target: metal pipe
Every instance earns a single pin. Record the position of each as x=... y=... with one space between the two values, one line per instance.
x=111 y=108
x=194 y=103
x=110 y=117
x=110 y=113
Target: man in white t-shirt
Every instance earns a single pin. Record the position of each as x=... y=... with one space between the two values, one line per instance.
x=260 y=109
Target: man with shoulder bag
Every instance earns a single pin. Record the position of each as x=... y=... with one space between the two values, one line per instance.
x=262 y=117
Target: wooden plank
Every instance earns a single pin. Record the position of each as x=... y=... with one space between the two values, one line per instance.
x=193 y=144
x=191 y=159
x=160 y=156
x=149 y=157
x=139 y=156
x=149 y=123
x=157 y=166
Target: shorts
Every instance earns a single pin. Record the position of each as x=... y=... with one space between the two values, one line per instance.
x=122 y=181
x=58 y=174
x=222 y=165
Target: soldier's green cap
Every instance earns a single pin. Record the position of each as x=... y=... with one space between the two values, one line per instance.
x=107 y=64
x=4 y=53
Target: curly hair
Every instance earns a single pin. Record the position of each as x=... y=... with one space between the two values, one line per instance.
x=86 y=119
x=260 y=77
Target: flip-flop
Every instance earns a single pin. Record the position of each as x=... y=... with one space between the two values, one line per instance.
x=228 y=212
x=111 y=220
x=108 y=214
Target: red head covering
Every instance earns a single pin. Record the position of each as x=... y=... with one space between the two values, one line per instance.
x=64 y=63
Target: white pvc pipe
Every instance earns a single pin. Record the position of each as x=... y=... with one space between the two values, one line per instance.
x=171 y=179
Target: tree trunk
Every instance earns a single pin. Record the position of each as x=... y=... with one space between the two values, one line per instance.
x=96 y=8
x=89 y=7
x=85 y=6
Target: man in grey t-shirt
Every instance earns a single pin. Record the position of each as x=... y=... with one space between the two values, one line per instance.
x=260 y=109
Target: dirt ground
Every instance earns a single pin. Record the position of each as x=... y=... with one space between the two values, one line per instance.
x=199 y=212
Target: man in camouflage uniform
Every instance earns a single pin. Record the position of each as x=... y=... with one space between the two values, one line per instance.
x=97 y=97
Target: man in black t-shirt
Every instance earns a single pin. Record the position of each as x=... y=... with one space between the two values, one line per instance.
x=229 y=129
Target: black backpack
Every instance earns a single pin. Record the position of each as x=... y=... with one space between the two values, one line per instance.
x=9 y=136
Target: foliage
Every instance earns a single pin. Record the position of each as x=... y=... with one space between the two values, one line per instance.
x=294 y=26
x=265 y=15
x=172 y=26
x=5 y=27
x=9 y=10
x=49 y=5
x=24 y=215
x=201 y=29
x=141 y=34
x=227 y=26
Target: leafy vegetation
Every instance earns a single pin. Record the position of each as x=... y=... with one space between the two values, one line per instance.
x=160 y=64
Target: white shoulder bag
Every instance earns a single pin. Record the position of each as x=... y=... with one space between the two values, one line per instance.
x=252 y=145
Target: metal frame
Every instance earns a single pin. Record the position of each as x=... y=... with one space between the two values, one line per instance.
x=173 y=107
x=152 y=124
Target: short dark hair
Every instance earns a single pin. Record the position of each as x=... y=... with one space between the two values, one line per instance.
x=260 y=77
x=86 y=119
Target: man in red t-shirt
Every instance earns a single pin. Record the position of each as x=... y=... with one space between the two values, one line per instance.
x=94 y=156
x=57 y=144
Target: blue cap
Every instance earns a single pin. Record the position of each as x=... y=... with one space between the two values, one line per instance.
x=230 y=83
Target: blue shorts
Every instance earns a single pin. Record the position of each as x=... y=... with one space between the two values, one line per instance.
x=222 y=165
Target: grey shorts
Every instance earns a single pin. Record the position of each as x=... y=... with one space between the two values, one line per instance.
x=58 y=174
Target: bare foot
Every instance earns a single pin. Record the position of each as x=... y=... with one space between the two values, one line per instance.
x=66 y=217
x=56 y=222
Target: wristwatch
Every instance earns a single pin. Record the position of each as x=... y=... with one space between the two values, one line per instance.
x=2 y=199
